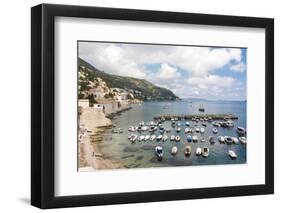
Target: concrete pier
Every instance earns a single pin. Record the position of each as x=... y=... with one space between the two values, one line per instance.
x=196 y=116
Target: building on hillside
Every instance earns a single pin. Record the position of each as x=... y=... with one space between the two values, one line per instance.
x=109 y=105
x=84 y=103
x=98 y=107
x=97 y=92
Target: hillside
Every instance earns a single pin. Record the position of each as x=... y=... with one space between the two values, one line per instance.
x=147 y=90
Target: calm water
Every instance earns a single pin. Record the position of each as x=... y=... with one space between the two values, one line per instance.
x=141 y=154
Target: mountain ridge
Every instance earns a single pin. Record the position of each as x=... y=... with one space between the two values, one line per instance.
x=148 y=90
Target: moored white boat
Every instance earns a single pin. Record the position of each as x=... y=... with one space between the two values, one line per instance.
x=232 y=154
x=205 y=151
x=164 y=138
x=187 y=150
x=198 y=151
x=172 y=138
x=197 y=129
x=228 y=139
x=159 y=137
x=187 y=124
x=186 y=130
x=133 y=138
x=177 y=138
x=141 y=138
x=178 y=129
x=235 y=140
x=202 y=130
x=215 y=130
x=203 y=140
x=243 y=140
x=194 y=139
x=174 y=150
x=153 y=137
x=212 y=140
x=159 y=152
x=147 y=137
x=241 y=130
x=221 y=139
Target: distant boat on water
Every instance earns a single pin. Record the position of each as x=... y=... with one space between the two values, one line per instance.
x=201 y=108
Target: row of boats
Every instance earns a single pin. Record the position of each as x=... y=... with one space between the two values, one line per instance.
x=204 y=151
x=152 y=127
x=190 y=138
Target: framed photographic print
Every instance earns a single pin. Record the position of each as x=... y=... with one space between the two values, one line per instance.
x=140 y=106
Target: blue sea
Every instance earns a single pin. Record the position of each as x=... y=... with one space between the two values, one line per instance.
x=141 y=154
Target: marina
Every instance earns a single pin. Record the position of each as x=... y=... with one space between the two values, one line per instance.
x=180 y=137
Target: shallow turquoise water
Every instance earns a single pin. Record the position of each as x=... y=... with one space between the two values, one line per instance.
x=141 y=154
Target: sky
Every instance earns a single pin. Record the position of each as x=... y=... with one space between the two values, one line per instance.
x=189 y=71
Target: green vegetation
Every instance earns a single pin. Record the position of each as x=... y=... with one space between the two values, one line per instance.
x=146 y=90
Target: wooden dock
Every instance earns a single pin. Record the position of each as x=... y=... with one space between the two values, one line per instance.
x=196 y=116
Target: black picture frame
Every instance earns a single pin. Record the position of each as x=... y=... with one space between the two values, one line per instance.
x=43 y=105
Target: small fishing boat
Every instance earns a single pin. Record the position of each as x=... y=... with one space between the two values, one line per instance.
x=168 y=130
x=202 y=130
x=153 y=137
x=215 y=130
x=172 y=138
x=189 y=138
x=129 y=137
x=204 y=124
x=235 y=140
x=164 y=138
x=178 y=129
x=212 y=140
x=159 y=137
x=177 y=138
x=187 y=150
x=159 y=152
x=205 y=152
x=191 y=130
x=179 y=124
x=194 y=139
x=174 y=150
x=203 y=140
x=240 y=130
x=198 y=151
x=221 y=139
x=186 y=130
x=173 y=123
x=197 y=129
x=243 y=140
x=147 y=137
x=232 y=154
x=228 y=139
x=187 y=124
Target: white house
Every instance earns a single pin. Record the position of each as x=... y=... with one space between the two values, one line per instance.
x=84 y=103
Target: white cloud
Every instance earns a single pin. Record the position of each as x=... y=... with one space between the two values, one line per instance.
x=240 y=67
x=211 y=80
x=198 y=63
x=167 y=72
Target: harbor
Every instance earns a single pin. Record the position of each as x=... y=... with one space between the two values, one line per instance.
x=153 y=135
